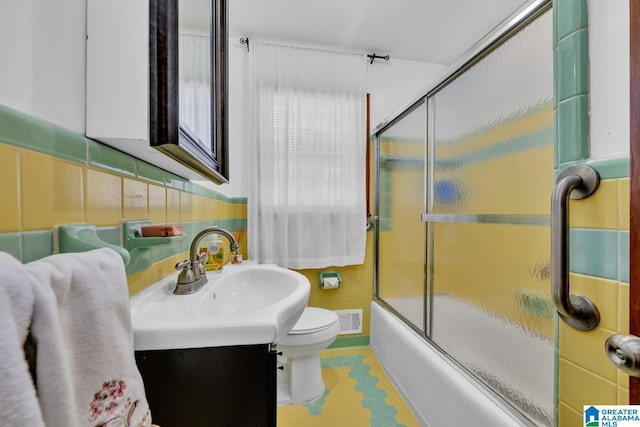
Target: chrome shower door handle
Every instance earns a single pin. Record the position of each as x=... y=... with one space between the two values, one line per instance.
x=575 y=182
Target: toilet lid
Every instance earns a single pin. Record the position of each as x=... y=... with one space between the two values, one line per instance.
x=314 y=319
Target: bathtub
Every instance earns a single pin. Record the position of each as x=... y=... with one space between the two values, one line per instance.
x=439 y=392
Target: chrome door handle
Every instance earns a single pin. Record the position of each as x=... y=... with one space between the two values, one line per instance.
x=624 y=352
x=576 y=182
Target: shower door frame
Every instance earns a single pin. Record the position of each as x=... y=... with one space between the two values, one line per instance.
x=514 y=23
x=376 y=218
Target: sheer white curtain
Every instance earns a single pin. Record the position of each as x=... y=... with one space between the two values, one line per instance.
x=307 y=136
x=195 y=83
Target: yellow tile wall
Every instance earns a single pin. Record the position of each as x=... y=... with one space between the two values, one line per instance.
x=355 y=291
x=9 y=191
x=51 y=191
x=40 y=192
x=585 y=375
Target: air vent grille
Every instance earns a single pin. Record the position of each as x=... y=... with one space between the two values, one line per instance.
x=350 y=321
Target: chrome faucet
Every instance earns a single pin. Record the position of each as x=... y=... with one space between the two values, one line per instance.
x=193 y=276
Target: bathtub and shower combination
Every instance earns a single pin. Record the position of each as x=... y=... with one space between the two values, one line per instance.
x=441 y=393
x=462 y=321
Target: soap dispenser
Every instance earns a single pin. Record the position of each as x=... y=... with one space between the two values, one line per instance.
x=215 y=254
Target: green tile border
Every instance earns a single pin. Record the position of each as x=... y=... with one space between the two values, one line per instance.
x=25 y=131
x=150 y=173
x=595 y=252
x=192 y=188
x=29 y=132
x=12 y=244
x=357 y=341
x=612 y=168
x=32 y=245
x=371 y=396
x=315 y=406
x=623 y=251
x=572 y=16
x=174 y=181
x=571 y=68
x=105 y=157
x=36 y=245
x=374 y=399
x=607 y=168
x=572 y=129
x=573 y=63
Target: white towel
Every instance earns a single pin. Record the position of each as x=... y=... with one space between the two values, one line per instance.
x=85 y=367
x=18 y=401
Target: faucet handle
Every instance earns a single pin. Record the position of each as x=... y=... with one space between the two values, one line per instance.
x=198 y=268
x=187 y=275
x=182 y=265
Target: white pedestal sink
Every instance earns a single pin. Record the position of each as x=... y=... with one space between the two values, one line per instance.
x=244 y=304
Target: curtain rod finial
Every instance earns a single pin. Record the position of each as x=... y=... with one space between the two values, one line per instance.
x=373 y=57
x=245 y=40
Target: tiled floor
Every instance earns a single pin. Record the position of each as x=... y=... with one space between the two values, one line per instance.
x=358 y=393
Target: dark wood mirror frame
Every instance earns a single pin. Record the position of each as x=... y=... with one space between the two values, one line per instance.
x=165 y=131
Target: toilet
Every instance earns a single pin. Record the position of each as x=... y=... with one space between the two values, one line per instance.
x=299 y=371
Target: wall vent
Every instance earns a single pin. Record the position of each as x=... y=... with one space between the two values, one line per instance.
x=350 y=321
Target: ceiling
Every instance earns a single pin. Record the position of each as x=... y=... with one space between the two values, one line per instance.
x=436 y=31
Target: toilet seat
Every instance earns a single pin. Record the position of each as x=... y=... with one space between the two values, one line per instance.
x=314 y=319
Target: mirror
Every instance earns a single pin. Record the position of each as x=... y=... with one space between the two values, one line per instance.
x=194 y=74
x=188 y=84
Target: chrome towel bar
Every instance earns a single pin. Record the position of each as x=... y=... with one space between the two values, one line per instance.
x=575 y=182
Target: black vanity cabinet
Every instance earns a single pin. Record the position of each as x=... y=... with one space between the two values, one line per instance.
x=140 y=83
x=216 y=386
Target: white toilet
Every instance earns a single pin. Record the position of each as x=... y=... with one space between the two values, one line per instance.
x=299 y=374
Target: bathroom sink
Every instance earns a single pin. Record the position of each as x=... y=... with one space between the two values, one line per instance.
x=242 y=305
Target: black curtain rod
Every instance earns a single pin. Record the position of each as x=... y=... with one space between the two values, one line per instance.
x=373 y=57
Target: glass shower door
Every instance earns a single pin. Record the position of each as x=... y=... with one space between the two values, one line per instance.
x=491 y=161
x=401 y=200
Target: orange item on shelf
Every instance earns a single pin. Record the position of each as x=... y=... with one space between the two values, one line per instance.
x=162 y=230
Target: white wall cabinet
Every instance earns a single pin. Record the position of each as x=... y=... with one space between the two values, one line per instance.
x=133 y=87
